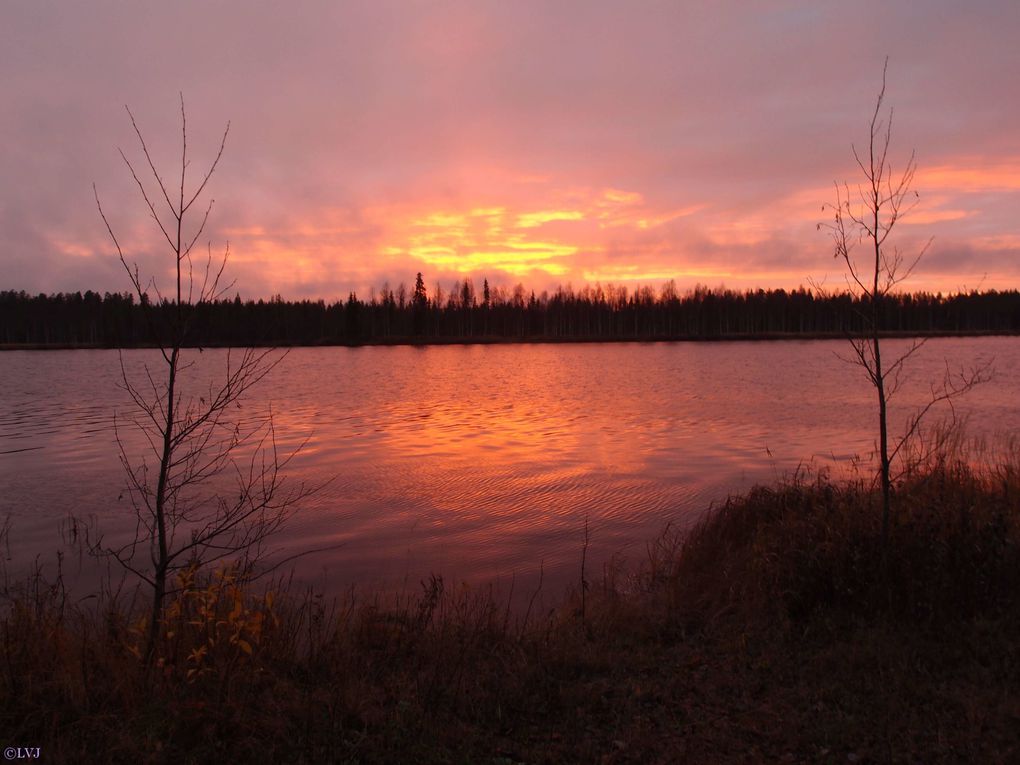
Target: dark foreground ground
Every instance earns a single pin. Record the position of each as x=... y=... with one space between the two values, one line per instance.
x=780 y=630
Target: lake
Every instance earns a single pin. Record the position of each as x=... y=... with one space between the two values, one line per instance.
x=483 y=462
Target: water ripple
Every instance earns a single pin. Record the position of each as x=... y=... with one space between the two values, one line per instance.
x=480 y=461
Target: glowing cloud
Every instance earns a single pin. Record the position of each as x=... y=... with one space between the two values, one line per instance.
x=526 y=141
x=531 y=220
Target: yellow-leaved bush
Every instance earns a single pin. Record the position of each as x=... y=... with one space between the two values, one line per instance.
x=210 y=625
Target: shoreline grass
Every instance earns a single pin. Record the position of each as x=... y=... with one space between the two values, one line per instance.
x=777 y=629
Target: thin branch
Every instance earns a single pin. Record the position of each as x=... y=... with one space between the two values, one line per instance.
x=152 y=167
x=212 y=169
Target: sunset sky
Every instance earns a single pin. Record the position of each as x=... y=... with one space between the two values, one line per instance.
x=537 y=142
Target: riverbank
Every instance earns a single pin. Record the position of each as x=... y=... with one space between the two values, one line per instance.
x=780 y=629
x=529 y=340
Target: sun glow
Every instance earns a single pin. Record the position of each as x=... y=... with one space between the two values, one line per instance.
x=484 y=238
x=647 y=276
x=531 y=220
x=518 y=240
x=542 y=233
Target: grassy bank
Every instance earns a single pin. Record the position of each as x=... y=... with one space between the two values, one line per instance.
x=780 y=629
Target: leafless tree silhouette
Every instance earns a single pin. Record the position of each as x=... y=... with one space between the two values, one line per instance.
x=866 y=215
x=194 y=447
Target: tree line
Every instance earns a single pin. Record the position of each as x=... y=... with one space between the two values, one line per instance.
x=593 y=312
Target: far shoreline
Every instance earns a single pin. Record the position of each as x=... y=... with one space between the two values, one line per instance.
x=530 y=340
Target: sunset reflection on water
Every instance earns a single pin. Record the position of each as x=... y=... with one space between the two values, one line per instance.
x=484 y=462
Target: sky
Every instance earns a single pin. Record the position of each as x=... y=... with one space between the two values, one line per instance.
x=548 y=143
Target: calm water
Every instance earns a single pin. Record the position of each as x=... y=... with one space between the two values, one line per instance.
x=483 y=462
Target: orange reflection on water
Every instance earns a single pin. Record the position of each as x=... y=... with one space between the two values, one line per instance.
x=483 y=461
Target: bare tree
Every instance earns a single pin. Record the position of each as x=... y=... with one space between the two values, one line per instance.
x=866 y=215
x=194 y=449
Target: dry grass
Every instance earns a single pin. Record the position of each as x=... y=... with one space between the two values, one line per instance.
x=782 y=554
x=777 y=629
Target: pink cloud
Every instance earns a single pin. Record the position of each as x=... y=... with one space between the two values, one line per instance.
x=655 y=141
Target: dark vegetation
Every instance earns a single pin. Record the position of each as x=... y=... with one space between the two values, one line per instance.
x=591 y=313
x=770 y=632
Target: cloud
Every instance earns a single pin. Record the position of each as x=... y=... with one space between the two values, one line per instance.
x=561 y=141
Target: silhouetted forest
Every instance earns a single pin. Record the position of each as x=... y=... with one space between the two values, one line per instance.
x=493 y=314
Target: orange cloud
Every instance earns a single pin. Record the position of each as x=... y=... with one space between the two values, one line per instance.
x=971 y=175
x=646 y=275
x=499 y=224
x=531 y=220
x=544 y=239
x=479 y=238
x=71 y=248
x=922 y=217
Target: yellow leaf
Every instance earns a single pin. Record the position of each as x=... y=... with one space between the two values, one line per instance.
x=244 y=646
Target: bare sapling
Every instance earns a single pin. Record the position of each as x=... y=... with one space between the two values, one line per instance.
x=864 y=217
x=205 y=486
